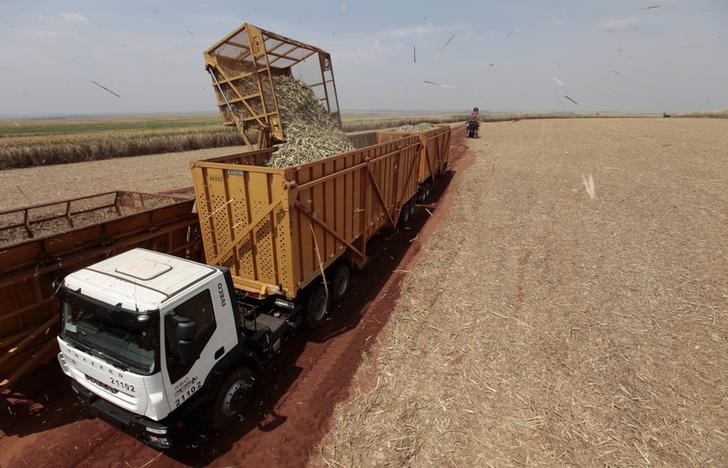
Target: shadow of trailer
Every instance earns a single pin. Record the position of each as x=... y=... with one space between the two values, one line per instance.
x=40 y=244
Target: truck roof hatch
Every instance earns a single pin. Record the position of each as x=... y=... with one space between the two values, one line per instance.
x=144 y=269
x=139 y=279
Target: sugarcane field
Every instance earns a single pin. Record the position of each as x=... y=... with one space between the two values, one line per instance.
x=364 y=234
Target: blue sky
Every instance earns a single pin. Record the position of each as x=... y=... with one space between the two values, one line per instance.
x=508 y=55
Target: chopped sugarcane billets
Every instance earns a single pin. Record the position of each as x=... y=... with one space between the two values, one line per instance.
x=420 y=127
x=311 y=132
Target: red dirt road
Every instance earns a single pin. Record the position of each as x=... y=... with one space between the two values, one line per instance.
x=42 y=425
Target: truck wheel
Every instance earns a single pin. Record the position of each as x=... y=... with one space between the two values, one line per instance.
x=342 y=278
x=233 y=396
x=317 y=306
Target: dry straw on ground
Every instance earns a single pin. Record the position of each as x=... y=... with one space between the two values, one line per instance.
x=311 y=133
x=541 y=327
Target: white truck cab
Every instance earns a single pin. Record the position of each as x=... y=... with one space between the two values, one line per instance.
x=150 y=340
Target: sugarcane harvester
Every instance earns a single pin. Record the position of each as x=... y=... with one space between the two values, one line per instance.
x=242 y=66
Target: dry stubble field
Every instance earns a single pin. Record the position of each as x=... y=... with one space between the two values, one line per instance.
x=150 y=174
x=541 y=326
x=537 y=325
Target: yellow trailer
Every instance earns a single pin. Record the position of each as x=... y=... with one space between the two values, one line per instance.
x=278 y=229
x=435 y=150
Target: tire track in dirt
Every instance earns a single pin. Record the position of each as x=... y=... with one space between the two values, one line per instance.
x=520 y=294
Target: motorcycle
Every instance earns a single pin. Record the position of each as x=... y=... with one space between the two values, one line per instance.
x=471 y=130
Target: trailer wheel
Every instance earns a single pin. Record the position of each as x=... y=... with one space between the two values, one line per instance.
x=425 y=191
x=342 y=279
x=233 y=396
x=317 y=306
x=404 y=215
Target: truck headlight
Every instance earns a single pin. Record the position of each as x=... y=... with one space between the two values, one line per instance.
x=62 y=362
x=157 y=430
x=159 y=442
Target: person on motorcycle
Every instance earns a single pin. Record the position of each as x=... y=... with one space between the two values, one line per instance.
x=473 y=124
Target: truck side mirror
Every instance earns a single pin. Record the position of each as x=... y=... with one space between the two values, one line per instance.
x=186 y=348
x=186 y=329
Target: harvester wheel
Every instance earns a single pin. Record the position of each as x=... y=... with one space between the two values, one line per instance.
x=317 y=306
x=233 y=396
x=340 y=283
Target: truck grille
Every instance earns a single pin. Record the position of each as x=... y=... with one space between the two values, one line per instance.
x=101 y=384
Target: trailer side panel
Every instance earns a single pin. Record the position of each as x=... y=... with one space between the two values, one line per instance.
x=29 y=308
x=435 y=149
x=277 y=228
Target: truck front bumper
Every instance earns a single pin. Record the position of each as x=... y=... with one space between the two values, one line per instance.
x=157 y=434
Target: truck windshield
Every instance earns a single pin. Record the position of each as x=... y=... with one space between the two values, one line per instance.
x=115 y=335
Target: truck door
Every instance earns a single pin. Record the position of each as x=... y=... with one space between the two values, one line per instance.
x=215 y=334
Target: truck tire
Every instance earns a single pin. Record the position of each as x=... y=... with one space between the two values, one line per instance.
x=341 y=281
x=317 y=306
x=232 y=397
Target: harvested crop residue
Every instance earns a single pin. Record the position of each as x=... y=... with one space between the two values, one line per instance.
x=541 y=325
x=311 y=132
x=420 y=127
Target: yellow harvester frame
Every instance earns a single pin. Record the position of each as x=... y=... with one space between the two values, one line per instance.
x=242 y=66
